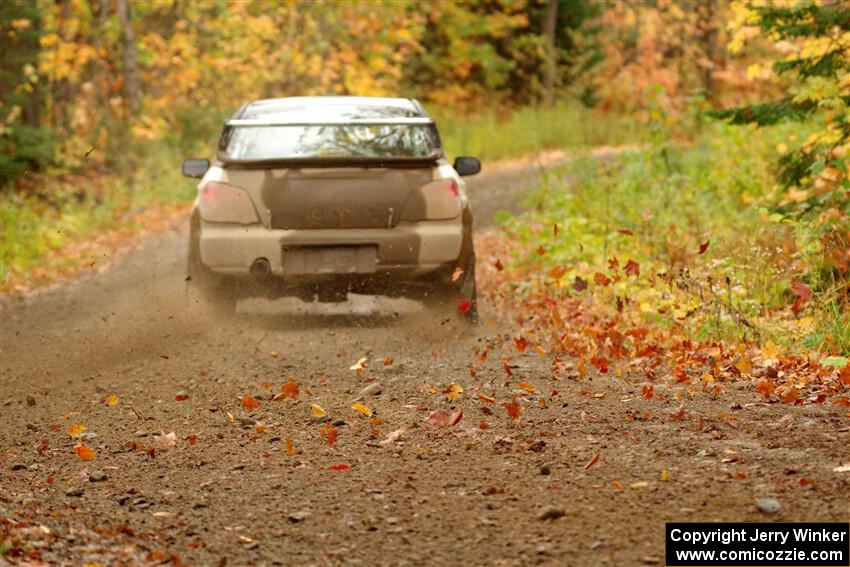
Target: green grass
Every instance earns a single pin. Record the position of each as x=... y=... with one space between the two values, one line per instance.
x=656 y=206
x=490 y=137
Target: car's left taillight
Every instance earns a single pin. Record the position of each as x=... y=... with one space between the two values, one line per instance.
x=220 y=202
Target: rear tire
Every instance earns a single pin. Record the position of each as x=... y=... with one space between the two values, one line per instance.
x=205 y=288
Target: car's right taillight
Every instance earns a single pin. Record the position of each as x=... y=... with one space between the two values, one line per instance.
x=440 y=200
x=220 y=202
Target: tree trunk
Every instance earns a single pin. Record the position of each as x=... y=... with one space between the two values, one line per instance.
x=131 y=64
x=549 y=31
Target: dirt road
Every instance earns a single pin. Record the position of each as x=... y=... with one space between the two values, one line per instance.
x=587 y=475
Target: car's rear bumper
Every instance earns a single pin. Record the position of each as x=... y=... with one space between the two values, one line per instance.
x=408 y=250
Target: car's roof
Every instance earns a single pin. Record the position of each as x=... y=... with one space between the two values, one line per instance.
x=333 y=107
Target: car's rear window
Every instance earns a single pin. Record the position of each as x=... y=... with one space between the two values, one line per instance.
x=259 y=143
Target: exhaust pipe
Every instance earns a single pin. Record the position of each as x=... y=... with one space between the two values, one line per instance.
x=261 y=269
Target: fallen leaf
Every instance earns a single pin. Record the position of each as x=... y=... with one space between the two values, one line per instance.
x=601 y=279
x=514 y=409
x=340 y=467
x=192 y=439
x=388 y=361
x=181 y=397
x=527 y=387
x=557 y=272
x=801 y=290
x=288 y=390
x=679 y=414
x=318 y=411
x=111 y=401
x=290 y=448
x=453 y=392
x=358 y=407
x=744 y=366
x=329 y=432
x=85 y=453
x=166 y=439
x=484 y=425
x=593 y=461
x=648 y=391
x=360 y=364
x=250 y=404
x=703 y=247
x=540 y=250
x=486 y=399
x=376 y=421
x=391 y=438
x=75 y=429
x=521 y=343
x=444 y=419
x=464 y=306
x=626 y=232
x=457 y=274
x=498 y=265
x=579 y=284
x=632 y=268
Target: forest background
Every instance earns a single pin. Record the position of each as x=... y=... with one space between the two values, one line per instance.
x=726 y=221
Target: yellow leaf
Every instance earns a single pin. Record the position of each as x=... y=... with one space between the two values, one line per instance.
x=453 y=392
x=770 y=350
x=362 y=409
x=664 y=475
x=317 y=410
x=527 y=387
x=75 y=429
x=744 y=366
x=359 y=365
x=111 y=400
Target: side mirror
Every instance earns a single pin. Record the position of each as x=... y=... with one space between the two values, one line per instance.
x=466 y=165
x=195 y=167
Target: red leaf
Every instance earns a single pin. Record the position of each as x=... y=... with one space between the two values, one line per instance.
x=152 y=452
x=521 y=343
x=601 y=363
x=648 y=391
x=632 y=268
x=613 y=263
x=250 y=403
x=340 y=467
x=444 y=419
x=464 y=306
x=593 y=461
x=557 y=272
x=498 y=265
x=601 y=278
x=181 y=397
x=703 y=247
x=801 y=290
x=192 y=439
x=540 y=250
x=507 y=369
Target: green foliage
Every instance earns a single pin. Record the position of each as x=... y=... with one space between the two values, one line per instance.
x=528 y=130
x=659 y=206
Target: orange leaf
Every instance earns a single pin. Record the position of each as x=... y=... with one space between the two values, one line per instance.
x=388 y=361
x=111 y=400
x=486 y=399
x=521 y=343
x=498 y=265
x=329 y=432
x=593 y=461
x=340 y=467
x=84 y=453
x=181 y=397
x=250 y=403
x=557 y=272
x=514 y=409
x=765 y=388
x=527 y=387
x=601 y=278
x=632 y=268
x=540 y=250
x=484 y=425
x=290 y=448
x=648 y=391
x=192 y=439
x=288 y=390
